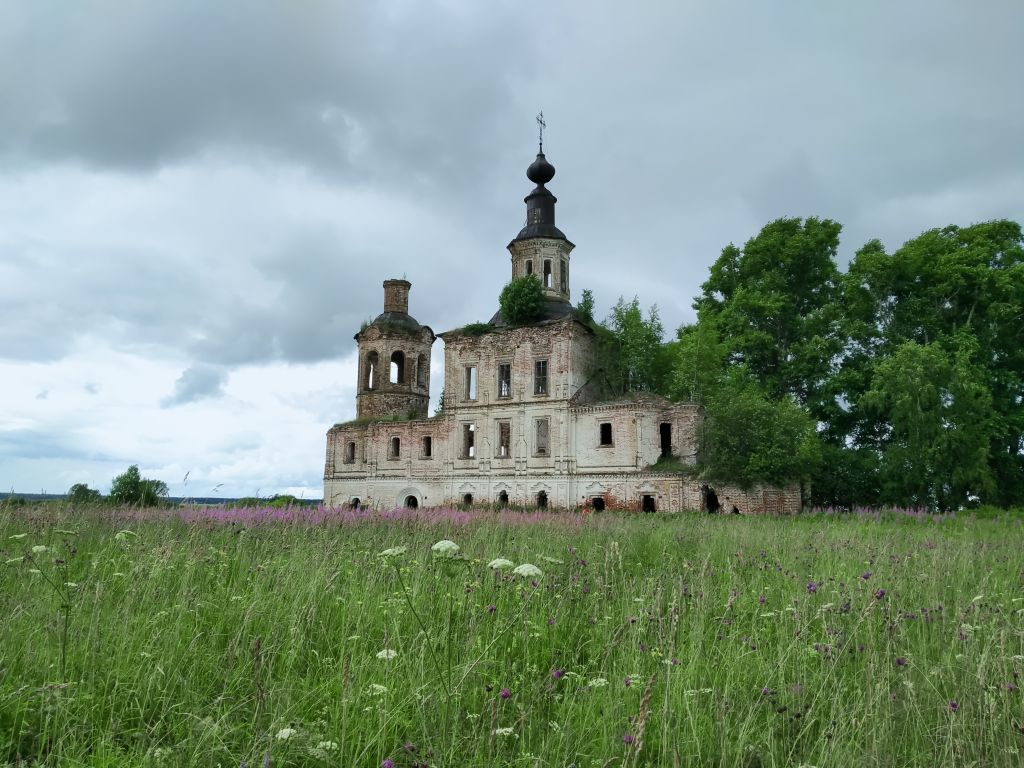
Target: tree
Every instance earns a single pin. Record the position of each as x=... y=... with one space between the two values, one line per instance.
x=522 y=300
x=774 y=304
x=585 y=309
x=748 y=438
x=637 y=363
x=80 y=493
x=958 y=294
x=131 y=488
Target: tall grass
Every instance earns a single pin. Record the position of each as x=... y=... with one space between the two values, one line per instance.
x=263 y=637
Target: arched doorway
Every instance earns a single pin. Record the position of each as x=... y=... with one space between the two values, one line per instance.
x=411 y=502
x=355 y=503
x=597 y=503
x=710 y=499
x=542 y=500
x=503 y=498
x=467 y=499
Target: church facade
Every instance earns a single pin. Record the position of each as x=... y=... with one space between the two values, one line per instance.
x=523 y=420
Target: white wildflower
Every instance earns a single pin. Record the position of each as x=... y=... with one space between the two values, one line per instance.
x=500 y=564
x=552 y=559
x=13 y=560
x=387 y=653
x=70 y=585
x=393 y=551
x=376 y=689
x=502 y=731
x=38 y=549
x=327 y=746
x=286 y=733
x=527 y=570
x=18 y=536
x=598 y=682
x=445 y=548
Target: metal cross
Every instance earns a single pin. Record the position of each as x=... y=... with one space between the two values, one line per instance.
x=541 y=126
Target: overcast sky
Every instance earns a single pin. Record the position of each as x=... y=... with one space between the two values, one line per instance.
x=200 y=200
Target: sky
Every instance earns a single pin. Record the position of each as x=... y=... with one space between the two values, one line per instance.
x=199 y=201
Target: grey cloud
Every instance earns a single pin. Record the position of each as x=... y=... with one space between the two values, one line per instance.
x=199 y=382
x=43 y=394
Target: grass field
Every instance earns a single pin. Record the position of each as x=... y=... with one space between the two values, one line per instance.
x=284 y=637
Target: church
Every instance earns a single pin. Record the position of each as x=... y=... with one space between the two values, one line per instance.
x=523 y=420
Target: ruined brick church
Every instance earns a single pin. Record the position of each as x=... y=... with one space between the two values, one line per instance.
x=523 y=420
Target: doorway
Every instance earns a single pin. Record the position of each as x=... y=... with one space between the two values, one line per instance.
x=542 y=500
x=647 y=504
x=411 y=502
x=597 y=503
x=710 y=499
x=666 y=439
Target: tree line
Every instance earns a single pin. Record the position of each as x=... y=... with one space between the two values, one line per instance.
x=897 y=382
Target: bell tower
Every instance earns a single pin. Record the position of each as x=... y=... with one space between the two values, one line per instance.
x=541 y=248
x=394 y=360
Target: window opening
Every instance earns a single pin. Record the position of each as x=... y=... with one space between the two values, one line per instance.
x=648 y=503
x=396 y=447
x=563 y=277
x=428 y=446
x=529 y=266
x=547 y=273
x=542 y=499
x=468 y=441
x=397 y=367
x=355 y=503
x=350 y=453
x=540 y=377
x=606 y=433
x=421 y=371
x=411 y=502
x=666 y=439
x=504 y=439
x=471 y=382
x=597 y=503
x=503 y=497
x=467 y=499
x=542 y=437
x=371 y=370
x=505 y=380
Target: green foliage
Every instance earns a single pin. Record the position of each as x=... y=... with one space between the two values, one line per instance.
x=476 y=329
x=632 y=354
x=80 y=493
x=748 y=438
x=774 y=304
x=131 y=488
x=585 y=309
x=522 y=300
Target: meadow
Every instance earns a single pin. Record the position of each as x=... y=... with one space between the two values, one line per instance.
x=298 y=637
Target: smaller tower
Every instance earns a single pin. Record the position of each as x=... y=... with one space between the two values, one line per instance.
x=394 y=360
x=541 y=248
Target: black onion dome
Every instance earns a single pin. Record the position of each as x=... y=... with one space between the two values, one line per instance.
x=540 y=170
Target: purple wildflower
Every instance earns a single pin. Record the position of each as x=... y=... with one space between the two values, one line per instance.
x=866 y=575
x=558 y=674
x=628 y=681
x=900 y=661
x=492 y=608
x=812 y=587
x=505 y=693
x=627 y=738
x=761 y=600
x=388 y=763
x=953 y=706
x=879 y=594
x=766 y=691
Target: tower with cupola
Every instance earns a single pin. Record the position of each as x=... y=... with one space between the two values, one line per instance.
x=541 y=248
x=394 y=360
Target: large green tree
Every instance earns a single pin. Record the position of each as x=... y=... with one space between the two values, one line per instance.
x=958 y=295
x=774 y=304
x=131 y=488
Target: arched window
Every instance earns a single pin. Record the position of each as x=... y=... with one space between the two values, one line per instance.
x=371 y=370
x=421 y=371
x=397 y=367
x=350 y=453
x=396 y=448
x=547 y=273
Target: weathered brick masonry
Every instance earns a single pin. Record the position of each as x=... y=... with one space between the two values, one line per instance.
x=523 y=419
